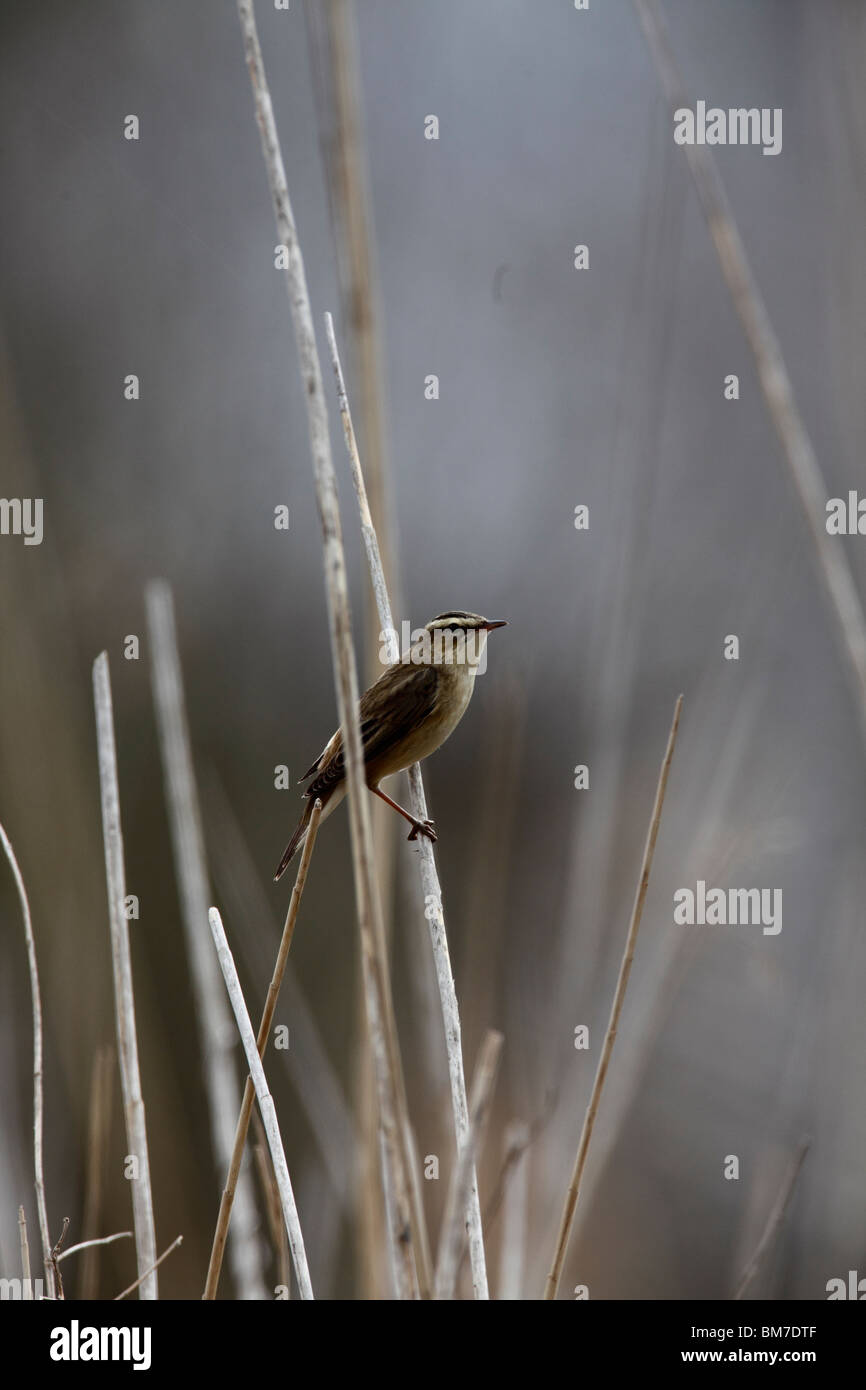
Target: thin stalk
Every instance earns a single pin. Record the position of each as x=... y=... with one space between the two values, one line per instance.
x=266 y=1105
x=403 y=1215
x=803 y=466
x=243 y=1123
x=27 y=1287
x=430 y=887
x=775 y=1219
x=89 y=1244
x=308 y=1064
x=515 y=1207
x=337 y=90
x=453 y=1231
x=271 y=1194
x=38 y=1104
x=222 y=1091
x=573 y=1192
x=149 y=1272
x=124 y=1002
x=98 y=1130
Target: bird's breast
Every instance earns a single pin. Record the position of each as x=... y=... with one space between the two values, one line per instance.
x=456 y=684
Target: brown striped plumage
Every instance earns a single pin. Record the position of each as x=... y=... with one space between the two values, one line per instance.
x=405 y=716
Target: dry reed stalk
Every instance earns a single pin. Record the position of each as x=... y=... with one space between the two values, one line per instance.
x=243 y=1122
x=27 y=1287
x=312 y=1073
x=775 y=1219
x=222 y=1090
x=404 y=1218
x=124 y=1001
x=427 y=864
x=271 y=1194
x=55 y=1258
x=512 y=1251
x=799 y=453
x=354 y=221
x=454 y=1226
x=149 y=1272
x=573 y=1191
x=38 y=1096
x=340 y=118
x=89 y=1244
x=672 y=950
x=266 y=1105
x=98 y=1130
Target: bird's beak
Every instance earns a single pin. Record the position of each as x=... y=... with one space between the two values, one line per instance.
x=494 y=622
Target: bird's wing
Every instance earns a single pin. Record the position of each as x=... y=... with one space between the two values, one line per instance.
x=401 y=699
x=318 y=763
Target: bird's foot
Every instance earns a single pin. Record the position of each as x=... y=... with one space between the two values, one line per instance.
x=423 y=827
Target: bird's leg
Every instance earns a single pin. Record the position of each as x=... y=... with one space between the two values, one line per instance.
x=422 y=827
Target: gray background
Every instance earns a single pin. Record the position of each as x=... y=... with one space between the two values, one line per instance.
x=558 y=387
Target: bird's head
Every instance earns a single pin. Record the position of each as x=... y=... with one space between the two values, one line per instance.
x=459 y=637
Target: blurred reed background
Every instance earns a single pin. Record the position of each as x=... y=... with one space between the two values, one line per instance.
x=558 y=387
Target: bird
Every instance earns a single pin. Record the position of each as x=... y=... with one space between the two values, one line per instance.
x=405 y=716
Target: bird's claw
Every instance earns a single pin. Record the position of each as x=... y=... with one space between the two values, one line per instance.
x=423 y=827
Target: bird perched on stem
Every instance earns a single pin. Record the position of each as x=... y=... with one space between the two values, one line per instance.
x=405 y=716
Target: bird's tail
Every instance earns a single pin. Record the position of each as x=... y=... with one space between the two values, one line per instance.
x=296 y=842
